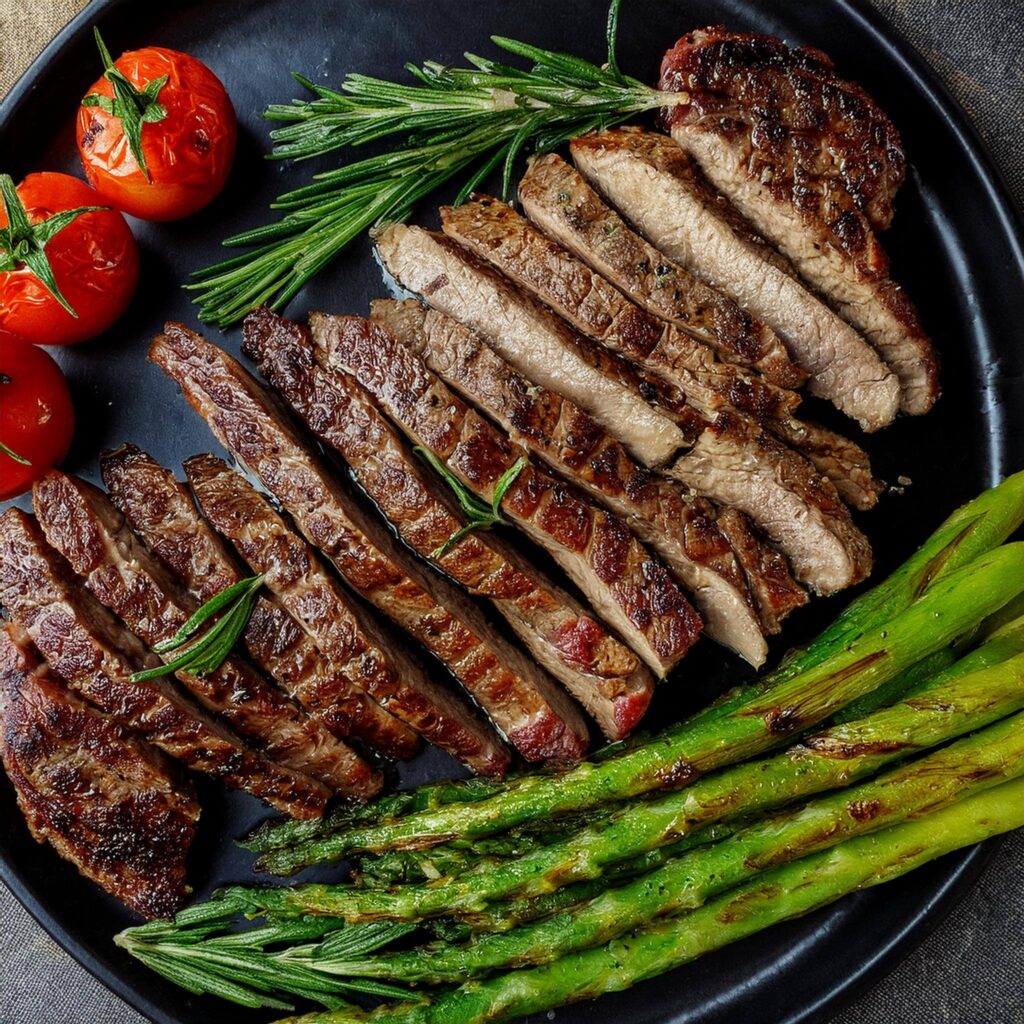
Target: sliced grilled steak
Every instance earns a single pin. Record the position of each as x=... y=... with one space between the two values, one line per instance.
x=775 y=486
x=813 y=163
x=499 y=235
x=525 y=705
x=681 y=529
x=106 y=802
x=529 y=336
x=82 y=524
x=628 y=587
x=160 y=509
x=659 y=189
x=601 y=672
x=97 y=656
x=494 y=231
x=245 y=418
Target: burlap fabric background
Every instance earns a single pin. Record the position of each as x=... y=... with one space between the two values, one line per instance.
x=971 y=971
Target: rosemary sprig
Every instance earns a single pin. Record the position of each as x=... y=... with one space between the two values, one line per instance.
x=208 y=653
x=11 y=454
x=453 y=121
x=479 y=514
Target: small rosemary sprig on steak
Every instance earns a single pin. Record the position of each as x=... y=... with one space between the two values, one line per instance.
x=453 y=121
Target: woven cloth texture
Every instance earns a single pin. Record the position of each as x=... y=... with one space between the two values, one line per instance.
x=971 y=970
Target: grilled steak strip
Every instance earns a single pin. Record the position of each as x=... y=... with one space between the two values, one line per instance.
x=812 y=162
x=520 y=710
x=248 y=422
x=160 y=509
x=600 y=671
x=496 y=233
x=681 y=529
x=94 y=653
x=82 y=524
x=666 y=197
x=628 y=587
x=547 y=350
x=107 y=803
x=731 y=460
x=507 y=241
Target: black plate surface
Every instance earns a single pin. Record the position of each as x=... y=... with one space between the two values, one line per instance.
x=955 y=245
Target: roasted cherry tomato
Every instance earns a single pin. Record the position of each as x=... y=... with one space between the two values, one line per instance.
x=68 y=263
x=36 y=415
x=156 y=133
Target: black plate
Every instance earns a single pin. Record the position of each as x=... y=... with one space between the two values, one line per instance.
x=955 y=245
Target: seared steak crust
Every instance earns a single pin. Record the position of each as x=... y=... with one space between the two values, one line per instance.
x=609 y=679
x=520 y=711
x=106 y=802
x=629 y=587
x=247 y=421
x=812 y=161
x=666 y=197
x=679 y=527
x=82 y=524
x=97 y=656
x=160 y=509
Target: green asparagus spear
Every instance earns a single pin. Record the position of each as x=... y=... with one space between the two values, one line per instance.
x=755 y=722
x=969 y=696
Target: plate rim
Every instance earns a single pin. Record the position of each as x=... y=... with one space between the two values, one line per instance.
x=960 y=879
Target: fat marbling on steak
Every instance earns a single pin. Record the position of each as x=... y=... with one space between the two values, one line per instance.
x=81 y=523
x=160 y=509
x=567 y=640
x=628 y=586
x=813 y=163
x=662 y=193
x=105 y=801
x=95 y=654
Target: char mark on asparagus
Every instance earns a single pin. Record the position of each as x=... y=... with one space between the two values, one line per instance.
x=97 y=656
x=814 y=164
x=160 y=509
x=567 y=640
x=110 y=804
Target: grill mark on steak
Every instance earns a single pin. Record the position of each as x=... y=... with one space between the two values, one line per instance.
x=681 y=528
x=109 y=804
x=529 y=336
x=496 y=233
x=558 y=200
x=670 y=202
x=249 y=423
x=522 y=712
x=83 y=525
x=813 y=163
x=600 y=671
x=94 y=653
x=160 y=509
x=626 y=585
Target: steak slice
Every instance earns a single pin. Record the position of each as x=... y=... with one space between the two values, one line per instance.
x=494 y=231
x=813 y=163
x=160 y=509
x=514 y=246
x=658 y=188
x=538 y=343
x=775 y=486
x=81 y=523
x=679 y=527
x=247 y=421
x=106 y=802
x=94 y=653
x=626 y=585
x=597 y=668
x=531 y=721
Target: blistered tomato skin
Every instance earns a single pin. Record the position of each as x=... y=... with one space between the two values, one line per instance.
x=188 y=153
x=37 y=418
x=95 y=263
